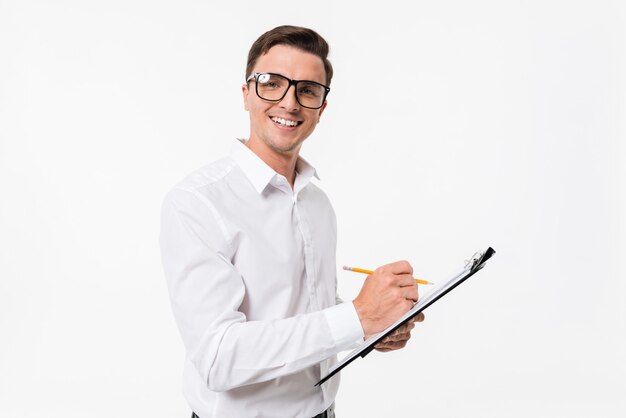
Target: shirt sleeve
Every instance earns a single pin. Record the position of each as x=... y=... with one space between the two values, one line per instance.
x=206 y=291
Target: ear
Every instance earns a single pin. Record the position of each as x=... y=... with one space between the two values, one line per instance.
x=319 y=115
x=245 y=91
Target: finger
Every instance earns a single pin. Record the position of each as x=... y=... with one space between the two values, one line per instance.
x=393 y=334
x=397 y=337
x=410 y=292
x=402 y=267
x=406 y=328
x=392 y=345
x=419 y=317
x=383 y=347
x=402 y=330
x=407 y=280
x=412 y=296
x=398 y=267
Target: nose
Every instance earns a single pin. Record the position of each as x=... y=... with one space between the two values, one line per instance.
x=290 y=102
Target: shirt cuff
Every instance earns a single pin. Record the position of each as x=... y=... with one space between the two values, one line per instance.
x=345 y=326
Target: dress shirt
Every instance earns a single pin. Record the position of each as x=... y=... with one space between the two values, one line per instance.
x=250 y=269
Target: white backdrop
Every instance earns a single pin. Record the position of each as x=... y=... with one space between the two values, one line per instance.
x=451 y=126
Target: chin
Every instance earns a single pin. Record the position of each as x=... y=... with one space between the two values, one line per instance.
x=283 y=147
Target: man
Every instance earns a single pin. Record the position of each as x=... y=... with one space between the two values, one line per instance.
x=248 y=246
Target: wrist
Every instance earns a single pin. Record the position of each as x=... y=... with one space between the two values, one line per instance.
x=366 y=324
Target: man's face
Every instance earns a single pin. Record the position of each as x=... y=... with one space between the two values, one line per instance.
x=266 y=130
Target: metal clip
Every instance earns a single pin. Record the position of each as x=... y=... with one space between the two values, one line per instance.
x=471 y=263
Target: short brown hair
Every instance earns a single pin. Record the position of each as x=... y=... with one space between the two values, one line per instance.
x=302 y=38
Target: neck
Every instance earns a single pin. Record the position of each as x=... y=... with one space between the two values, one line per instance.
x=284 y=163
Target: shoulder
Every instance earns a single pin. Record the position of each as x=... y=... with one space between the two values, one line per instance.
x=200 y=182
x=194 y=201
x=208 y=176
x=198 y=192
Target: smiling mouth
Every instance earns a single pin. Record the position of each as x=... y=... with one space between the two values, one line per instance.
x=285 y=122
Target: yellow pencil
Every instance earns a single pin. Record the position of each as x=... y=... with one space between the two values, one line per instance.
x=359 y=270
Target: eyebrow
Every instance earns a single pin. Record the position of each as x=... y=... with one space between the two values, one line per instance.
x=292 y=79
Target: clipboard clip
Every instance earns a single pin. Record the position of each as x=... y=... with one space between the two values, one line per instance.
x=477 y=260
x=474 y=260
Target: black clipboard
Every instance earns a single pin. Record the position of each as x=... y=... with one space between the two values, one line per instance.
x=473 y=265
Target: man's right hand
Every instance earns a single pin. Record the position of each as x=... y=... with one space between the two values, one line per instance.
x=386 y=295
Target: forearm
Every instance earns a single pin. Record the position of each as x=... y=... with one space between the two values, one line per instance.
x=244 y=353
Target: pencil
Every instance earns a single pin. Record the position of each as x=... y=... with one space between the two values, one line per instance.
x=364 y=271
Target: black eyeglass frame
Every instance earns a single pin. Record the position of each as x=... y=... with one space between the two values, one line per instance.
x=293 y=83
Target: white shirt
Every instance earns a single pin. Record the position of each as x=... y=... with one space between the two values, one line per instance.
x=250 y=268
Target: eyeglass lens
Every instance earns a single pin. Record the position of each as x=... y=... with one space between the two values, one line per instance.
x=273 y=87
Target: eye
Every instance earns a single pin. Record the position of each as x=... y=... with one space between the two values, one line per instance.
x=310 y=90
x=271 y=82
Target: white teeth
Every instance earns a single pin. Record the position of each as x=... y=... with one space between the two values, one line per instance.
x=285 y=122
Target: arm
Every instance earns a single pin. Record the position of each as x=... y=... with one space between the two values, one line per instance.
x=206 y=291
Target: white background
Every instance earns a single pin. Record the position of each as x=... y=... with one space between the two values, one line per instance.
x=451 y=126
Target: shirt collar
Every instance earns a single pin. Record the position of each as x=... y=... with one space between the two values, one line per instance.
x=260 y=174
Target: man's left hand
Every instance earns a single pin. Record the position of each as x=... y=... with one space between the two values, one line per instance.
x=399 y=337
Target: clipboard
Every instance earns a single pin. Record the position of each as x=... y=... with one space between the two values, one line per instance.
x=473 y=265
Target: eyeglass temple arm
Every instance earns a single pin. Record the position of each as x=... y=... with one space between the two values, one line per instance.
x=253 y=75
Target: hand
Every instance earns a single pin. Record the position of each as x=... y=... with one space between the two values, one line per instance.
x=400 y=337
x=386 y=295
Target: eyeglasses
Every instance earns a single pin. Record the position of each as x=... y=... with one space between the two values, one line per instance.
x=273 y=87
